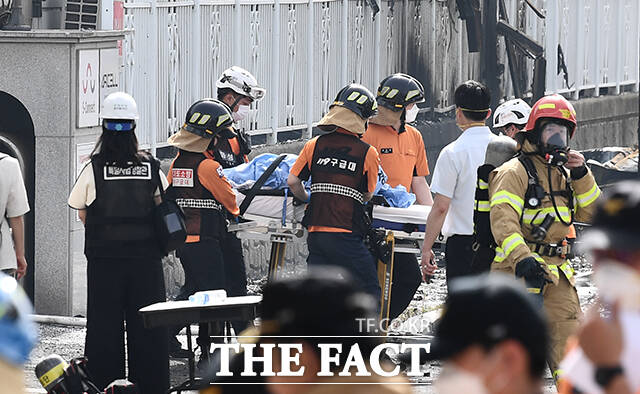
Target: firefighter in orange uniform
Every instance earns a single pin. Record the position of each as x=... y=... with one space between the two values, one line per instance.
x=343 y=171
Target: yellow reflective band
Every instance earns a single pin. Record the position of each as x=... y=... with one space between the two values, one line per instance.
x=567 y=269
x=384 y=90
x=547 y=105
x=374 y=106
x=221 y=119
x=353 y=96
x=53 y=374
x=482 y=206
x=194 y=117
x=499 y=255
x=585 y=199
x=362 y=99
x=554 y=270
x=510 y=243
x=533 y=290
x=529 y=214
x=482 y=184
x=392 y=93
x=557 y=373
x=504 y=196
x=538 y=258
x=204 y=119
x=412 y=94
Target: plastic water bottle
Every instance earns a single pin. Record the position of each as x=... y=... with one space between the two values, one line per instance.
x=208 y=296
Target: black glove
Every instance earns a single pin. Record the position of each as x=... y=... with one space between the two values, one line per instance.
x=578 y=172
x=530 y=269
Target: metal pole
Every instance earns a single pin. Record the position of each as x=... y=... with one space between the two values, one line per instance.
x=598 y=54
x=197 y=53
x=345 y=41
x=237 y=31
x=579 y=59
x=551 y=46
x=275 y=80
x=154 y=77
x=310 y=86
x=376 y=50
x=490 y=55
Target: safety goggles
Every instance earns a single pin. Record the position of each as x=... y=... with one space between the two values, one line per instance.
x=254 y=92
x=117 y=125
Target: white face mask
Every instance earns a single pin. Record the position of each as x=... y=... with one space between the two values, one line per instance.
x=411 y=113
x=618 y=282
x=241 y=113
x=456 y=380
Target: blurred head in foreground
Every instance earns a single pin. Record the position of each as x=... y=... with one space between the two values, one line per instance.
x=491 y=338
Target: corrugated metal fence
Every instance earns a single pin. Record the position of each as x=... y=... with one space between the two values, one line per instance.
x=304 y=51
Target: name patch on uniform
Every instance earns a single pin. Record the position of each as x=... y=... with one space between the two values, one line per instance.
x=335 y=163
x=182 y=177
x=137 y=171
x=386 y=150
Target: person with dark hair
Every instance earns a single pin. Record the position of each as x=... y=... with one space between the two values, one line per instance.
x=238 y=89
x=454 y=182
x=344 y=172
x=115 y=195
x=492 y=339
x=198 y=185
x=534 y=199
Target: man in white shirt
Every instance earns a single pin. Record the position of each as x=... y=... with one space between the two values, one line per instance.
x=454 y=182
x=13 y=206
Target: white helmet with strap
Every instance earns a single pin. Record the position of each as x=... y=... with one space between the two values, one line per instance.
x=119 y=105
x=240 y=81
x=511 y=112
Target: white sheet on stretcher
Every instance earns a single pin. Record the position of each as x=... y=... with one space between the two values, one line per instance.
x=415 y=214
x=271 y=206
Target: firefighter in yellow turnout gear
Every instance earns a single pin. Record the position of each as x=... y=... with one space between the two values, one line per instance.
x=534 y=198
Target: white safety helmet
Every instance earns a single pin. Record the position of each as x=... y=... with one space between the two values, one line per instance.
x=240 y=81
x=511 y=112
x=119 y=105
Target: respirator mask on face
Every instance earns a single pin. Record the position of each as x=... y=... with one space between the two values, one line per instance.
x=456 y=380
x=241 y=113
x=411 y=113
x=554 y=145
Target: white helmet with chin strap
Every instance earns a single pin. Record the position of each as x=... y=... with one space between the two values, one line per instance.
x=240 y=81
x=511 y=112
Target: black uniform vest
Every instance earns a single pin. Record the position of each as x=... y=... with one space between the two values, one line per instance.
x=204 y=215
x=338 y=183
x=120 y=221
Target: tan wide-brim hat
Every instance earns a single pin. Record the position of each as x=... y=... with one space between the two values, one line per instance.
x=188 y=141
x=344 y=118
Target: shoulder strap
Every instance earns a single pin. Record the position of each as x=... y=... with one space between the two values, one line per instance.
x=261 y=181
x=530 y=168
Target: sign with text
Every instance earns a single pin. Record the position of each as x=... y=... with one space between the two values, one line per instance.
x=88 y=88
x=109 y=72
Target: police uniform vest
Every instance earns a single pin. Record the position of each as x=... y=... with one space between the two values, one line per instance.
x=483 y=242
x=204 y=215
x=120 y=220
x=338 y=183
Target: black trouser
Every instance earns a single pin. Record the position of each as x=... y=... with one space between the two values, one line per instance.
x=116 y=289
x=406 y=280
x=346 y=250
x=203 y=265
x=458 y=254
x=235 y=273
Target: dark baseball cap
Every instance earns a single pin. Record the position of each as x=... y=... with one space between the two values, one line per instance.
x=486 y=310
x=616 y=222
